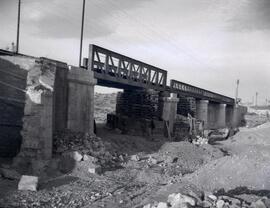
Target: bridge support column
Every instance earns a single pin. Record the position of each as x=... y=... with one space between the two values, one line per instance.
x=235 y=116
x=202 y=111
x=162 y=95
x=81 y=100
x=221 y=116
x=170 y=111
x=229 y=115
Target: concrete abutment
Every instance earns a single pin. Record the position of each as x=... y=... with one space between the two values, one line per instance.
x=56 y=98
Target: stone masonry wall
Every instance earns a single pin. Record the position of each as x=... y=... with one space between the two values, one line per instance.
x=38 y=118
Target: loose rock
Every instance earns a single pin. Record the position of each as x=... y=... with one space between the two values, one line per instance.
x=220 y=204
x=258 y=204
x=147 y=206
x=212 y=198
x=162 y=205
x=89 y=158
x=135 y=158
x=94 y=169
x=177 y=199
x=77 y=156
x=28 y=183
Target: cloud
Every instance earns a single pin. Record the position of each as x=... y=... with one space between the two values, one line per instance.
x=62 y=18
x=251 y=15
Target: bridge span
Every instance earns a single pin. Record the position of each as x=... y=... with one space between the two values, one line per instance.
x=112 y=69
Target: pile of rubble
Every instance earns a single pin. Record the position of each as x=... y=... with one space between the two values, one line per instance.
x=198 y=140
x=178 y=200
x=66 y=143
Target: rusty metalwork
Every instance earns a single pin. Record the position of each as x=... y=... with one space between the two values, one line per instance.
x=110 y=67
x=186 y=89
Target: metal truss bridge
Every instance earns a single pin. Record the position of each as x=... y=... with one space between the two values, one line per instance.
x=112 y=69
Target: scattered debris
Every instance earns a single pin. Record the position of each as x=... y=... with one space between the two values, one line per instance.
x=200 y=140
x=178 y=199
x=152 y=160
x=135 y=158
x=94 y=169
x=89 y=158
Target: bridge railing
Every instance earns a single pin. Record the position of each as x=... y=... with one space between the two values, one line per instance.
x=197 y=92
x=111 y=64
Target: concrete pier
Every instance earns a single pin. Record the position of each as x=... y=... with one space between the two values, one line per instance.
x=81 y=100
x=202 y=111
x=221 y=116
x=170 y=110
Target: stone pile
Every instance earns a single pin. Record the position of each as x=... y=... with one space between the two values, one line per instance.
x=85 y=145
x=178 y=200
x=200 y=140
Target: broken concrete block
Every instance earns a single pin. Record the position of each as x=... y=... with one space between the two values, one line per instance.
x=177 y=199
x=121 y=158
x=212 y=197
x=94 y=169
x=89 y=158
x=147 y=206
x=153 y=161
x=77 y=156
x=10 y=174
x=220 y=203
x=258 y=204
x=135 y=158
x=28 y=183
x=162 y=205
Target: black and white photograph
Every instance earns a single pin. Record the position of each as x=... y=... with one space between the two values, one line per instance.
x=134 y=103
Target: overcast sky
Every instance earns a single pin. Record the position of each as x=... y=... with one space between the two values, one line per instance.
x=207 y=43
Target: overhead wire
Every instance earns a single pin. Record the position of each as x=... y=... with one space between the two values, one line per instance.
x=160 y=36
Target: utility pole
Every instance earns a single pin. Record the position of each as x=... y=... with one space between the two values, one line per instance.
x=82 y=27
x=236 y=91
x=256 y=101
x=18 y=26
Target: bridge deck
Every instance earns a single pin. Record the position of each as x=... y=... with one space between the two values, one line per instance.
x=112 y=69
x=199 y=93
